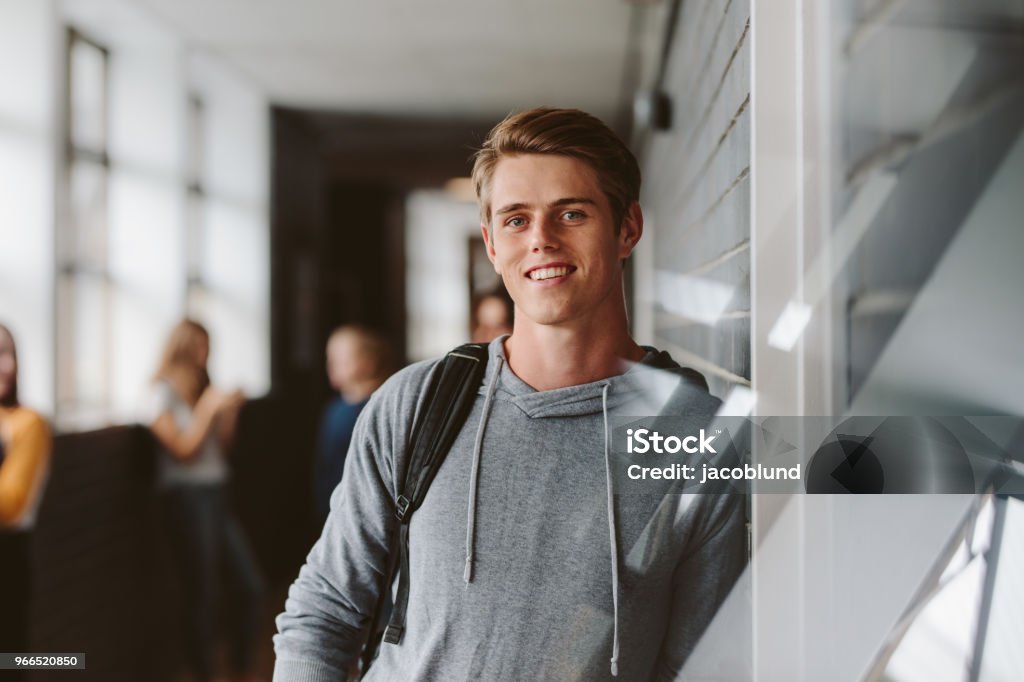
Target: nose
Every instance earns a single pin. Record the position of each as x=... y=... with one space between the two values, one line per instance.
x=542 y=235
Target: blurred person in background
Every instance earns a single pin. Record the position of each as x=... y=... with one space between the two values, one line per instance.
x=359 y=360
x=25 y=444
x=492 y=315
x=194 y=423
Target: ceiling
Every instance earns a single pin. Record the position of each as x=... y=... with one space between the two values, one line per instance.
x=464 y=58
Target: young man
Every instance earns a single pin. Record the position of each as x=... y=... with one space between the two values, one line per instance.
x=524 y=563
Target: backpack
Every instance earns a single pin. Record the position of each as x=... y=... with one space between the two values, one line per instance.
x=449 y=399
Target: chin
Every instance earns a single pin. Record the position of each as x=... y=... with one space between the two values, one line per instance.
x=547 y=316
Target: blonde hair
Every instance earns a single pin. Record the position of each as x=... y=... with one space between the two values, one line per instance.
x=565 y=132
x=179 y=359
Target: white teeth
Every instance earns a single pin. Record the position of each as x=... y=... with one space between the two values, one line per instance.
x=548 y=273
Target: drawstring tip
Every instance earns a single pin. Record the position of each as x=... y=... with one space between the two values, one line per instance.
x=615 y=668
x=467 y=575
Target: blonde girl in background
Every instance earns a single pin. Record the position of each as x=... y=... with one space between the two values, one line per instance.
x=194 y=424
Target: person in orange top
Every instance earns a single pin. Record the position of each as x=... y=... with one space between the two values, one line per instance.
x=25 y=443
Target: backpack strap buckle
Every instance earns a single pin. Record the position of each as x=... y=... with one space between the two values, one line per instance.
x=402 y=507
x=393 y=634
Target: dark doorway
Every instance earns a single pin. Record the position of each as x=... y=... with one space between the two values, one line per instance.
x=338 y=189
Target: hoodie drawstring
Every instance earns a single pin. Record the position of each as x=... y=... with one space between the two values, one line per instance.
x=474 y=476
x=612 y=540
x=474 y=480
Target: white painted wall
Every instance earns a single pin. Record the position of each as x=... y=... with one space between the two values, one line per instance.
x=28 y=78
x=236 y=246
x=146 y=207
x=436 y=289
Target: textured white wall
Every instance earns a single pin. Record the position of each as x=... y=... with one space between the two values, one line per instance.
x=694 y=269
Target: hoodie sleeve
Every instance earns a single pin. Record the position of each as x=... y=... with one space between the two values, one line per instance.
x=703 y=579
x=330 y=604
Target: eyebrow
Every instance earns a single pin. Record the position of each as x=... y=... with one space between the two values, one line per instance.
x=560 y=202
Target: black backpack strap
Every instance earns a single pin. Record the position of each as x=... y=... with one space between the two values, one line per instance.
x=689 y=375
x=449 y=400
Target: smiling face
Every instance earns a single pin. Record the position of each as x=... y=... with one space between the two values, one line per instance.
x=553 y=240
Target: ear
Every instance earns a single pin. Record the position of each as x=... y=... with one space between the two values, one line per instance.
x=491 y=255
x=631 y=230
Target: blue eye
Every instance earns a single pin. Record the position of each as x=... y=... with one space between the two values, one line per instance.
x=573 y=215
x=517 y=221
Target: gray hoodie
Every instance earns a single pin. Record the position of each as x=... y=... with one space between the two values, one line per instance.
x=524 y=562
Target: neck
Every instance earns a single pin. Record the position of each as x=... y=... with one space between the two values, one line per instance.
x=548 y=356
